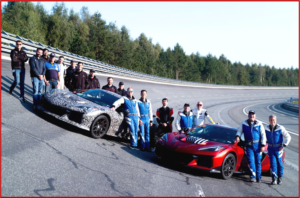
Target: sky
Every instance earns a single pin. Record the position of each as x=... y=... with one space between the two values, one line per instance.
x=265 y=33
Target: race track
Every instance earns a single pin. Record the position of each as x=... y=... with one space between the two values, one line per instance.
x=42 y=156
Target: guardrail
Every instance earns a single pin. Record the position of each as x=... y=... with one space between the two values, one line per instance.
x=289 y=105
x=8 y=43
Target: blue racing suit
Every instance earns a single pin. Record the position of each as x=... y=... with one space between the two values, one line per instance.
x=146 y=117
x=132 y=118
x=254 y=135
x=184 y=121
x=277 y=137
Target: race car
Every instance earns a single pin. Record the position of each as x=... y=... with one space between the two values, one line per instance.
x=209 y=148
x=87 y=109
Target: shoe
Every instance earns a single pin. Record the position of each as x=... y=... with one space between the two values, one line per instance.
x=279 y=180
x=153 y=150
x=252 y=179
x=10 y=92
x=274 y=181
x=134 y=147
x=258 y=180
x=22 y=99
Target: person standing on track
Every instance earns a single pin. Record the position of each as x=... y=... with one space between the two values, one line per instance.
x=37 y=73
x=18 y=58
x=93 y=82
x=277 y=138
x=132 y=117
x=253 y=134
x=110 y=86
x=79 y=79
x=121 y=91
x=199 y=115
x=146 y=119
x=62 y=72
x=164 y=118
x=52 y=74
x=184 y=120
x=45 y=55
x=70 y=70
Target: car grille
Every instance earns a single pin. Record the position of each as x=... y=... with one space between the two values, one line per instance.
x=205 y=161
x=176 y=156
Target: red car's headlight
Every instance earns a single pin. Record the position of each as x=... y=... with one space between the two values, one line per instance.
x=214 y=148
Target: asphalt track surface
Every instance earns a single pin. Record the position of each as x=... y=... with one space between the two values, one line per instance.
x=42 y=156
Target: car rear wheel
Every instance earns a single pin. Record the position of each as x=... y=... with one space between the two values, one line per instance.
x=99 y=126
x=228 y=166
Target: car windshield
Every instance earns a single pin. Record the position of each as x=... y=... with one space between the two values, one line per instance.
x=100 y=97
x=214 y=133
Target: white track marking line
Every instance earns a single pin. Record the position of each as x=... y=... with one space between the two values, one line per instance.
x=199 y=192
x=286 y=114
x=244 y=111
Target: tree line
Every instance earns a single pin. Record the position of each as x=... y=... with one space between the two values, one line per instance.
x=89 y=35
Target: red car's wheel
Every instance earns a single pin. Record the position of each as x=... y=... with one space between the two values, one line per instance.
x=228 y=166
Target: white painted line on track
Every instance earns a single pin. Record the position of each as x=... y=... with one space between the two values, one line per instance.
x=199 y=192
x=286 y=114
x=294 y=166
x=244 y=111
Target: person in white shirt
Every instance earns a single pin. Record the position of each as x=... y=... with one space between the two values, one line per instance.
x=199 y=115
x=62 y=70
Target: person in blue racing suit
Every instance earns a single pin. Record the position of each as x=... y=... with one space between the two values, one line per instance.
x=132 y=118
x=184 y=120
x=277 y=138
x=253 y=134
x=146 y=119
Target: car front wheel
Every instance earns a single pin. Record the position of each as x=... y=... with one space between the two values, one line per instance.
x=228 y=166
x=99 y=126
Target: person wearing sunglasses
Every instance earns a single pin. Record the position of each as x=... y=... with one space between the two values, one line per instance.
x=18 y=58
x=132 y=116
x=199 y=115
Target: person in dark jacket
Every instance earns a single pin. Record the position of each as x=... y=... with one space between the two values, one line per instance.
x=37 y=73
x=121 y=91
x=110 y=86
x=93 y=82
x=45 y=55
x=18 y=58
x=79 y=79
x=69 y=71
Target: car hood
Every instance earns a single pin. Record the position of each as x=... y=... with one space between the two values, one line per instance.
x=189 y=144
x=68 y=100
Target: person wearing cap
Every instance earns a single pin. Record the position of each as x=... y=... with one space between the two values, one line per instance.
x=18 y=58
x=79 y=79
x=277 y=138
x=110 y=86
x=69 y=71
x=52 y=76
x=121 y=91
x=62 y=72
x=132 y=116
x=253 y=135
x=45 y=55
x=93 y=82
x=146 y=119
x=184 y=120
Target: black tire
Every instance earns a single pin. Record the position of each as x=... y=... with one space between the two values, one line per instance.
x=99 y=126
x=228 y=166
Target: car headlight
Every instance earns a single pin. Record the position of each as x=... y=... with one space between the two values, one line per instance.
x=164 y=138
x=214 y=148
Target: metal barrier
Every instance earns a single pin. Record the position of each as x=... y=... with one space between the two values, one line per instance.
x=8 y=43
x=289 y=105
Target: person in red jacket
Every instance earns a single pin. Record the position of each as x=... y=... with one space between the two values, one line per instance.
x=110 y=86
x=93 y=82
x=18 y=58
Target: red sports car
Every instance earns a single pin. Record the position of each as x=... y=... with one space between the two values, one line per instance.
x=210 y=148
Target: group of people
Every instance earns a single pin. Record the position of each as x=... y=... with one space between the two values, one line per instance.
x=45 y=71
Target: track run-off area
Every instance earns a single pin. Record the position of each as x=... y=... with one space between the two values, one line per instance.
x=42 y=156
